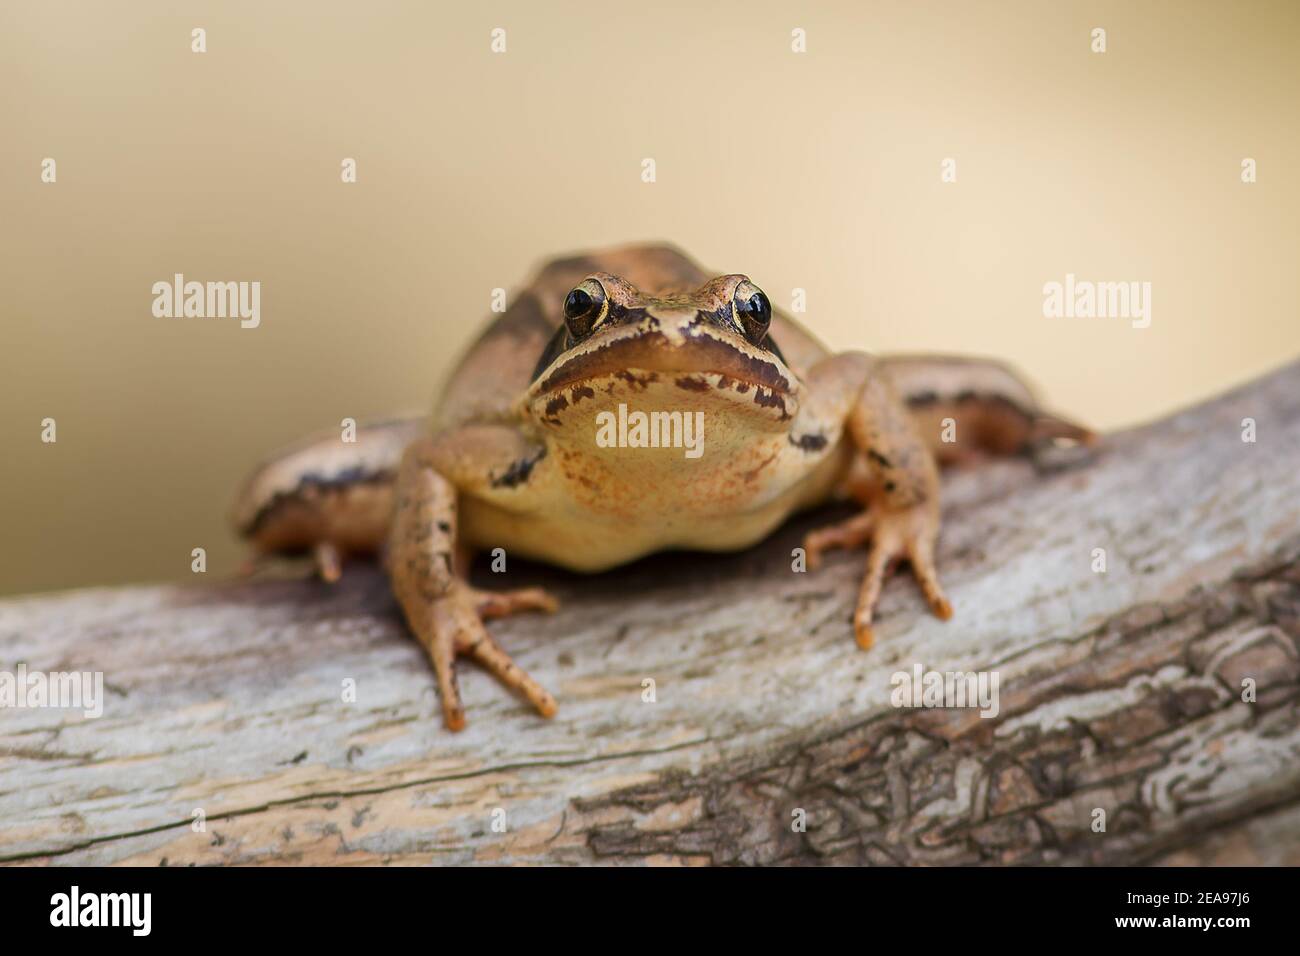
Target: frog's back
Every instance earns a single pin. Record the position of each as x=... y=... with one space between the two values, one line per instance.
x=500 y=365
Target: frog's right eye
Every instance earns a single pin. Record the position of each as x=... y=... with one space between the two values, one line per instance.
x=585 y=308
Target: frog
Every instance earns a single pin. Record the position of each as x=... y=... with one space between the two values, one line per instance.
x=529 y=452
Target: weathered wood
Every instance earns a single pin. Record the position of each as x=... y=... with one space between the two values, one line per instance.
x=1119 y=691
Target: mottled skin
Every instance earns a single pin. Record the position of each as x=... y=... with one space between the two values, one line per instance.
x=512 y=462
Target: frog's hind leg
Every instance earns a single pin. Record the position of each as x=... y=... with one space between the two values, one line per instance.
x=963 y=407
x=444 y=611
x=327 y=497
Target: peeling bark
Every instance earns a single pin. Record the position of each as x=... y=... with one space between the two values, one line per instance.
x=1120 y=692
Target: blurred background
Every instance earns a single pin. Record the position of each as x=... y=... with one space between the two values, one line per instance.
x=817 y=170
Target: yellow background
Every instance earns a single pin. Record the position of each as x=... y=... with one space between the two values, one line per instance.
x=818 y=171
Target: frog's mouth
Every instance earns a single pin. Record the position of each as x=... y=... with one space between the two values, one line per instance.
x=691 y=363
x=701 y=349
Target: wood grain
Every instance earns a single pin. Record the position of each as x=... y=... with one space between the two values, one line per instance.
x=1120 y=691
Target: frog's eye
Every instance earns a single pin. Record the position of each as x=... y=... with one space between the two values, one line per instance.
x=585 y=307
x=752 y=311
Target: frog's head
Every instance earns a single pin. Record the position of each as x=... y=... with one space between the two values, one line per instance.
x=703 y=350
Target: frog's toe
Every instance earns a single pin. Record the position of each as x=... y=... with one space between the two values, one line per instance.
x=481 y=646
x=1047 y=427
x=328 y=560
x=920 y=554
x=847 y=534
x=879 y=560
x=492 y=604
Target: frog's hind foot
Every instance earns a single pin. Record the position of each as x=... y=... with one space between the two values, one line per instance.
x=1056 y=443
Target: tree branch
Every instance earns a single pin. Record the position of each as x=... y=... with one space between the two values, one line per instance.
x=1120 y=691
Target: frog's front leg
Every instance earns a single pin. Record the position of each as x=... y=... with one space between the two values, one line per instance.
x=443 y=610
x=894 y=475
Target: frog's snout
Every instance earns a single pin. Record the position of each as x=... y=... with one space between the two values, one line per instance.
x=678 y=326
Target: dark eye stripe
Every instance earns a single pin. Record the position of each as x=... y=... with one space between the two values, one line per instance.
x=560 y=343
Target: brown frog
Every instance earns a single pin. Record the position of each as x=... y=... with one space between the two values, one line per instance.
x=630 y=402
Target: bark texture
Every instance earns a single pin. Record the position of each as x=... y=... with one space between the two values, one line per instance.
x=1120 y=691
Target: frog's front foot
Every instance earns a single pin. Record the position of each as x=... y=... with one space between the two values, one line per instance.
x=454 y=626
x=891 y=535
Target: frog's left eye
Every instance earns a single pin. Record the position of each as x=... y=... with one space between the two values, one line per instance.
x=752 y=311
x=585 y=307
